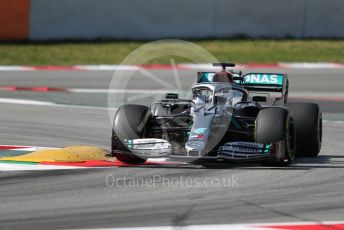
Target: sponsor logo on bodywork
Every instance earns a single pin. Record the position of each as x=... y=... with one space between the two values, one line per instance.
x=199 y=130
x=199 y=136
x=275 y=79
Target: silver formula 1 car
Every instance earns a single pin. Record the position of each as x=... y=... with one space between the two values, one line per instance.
x=231 y=117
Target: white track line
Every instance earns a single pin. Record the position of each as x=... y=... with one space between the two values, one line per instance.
x=107 y=67
x=310 y=65
x=195 y=227
x=76 y=67
x=15 y=68
x=52 y=104
x=26 y=148
x=260 y=226
x=32 y=167
x=24 y=102
x=138 y=91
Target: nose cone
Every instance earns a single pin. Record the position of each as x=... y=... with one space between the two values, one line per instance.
x=195 y=147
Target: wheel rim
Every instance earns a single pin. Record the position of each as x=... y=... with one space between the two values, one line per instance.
x=291 y=140
x=319 y=131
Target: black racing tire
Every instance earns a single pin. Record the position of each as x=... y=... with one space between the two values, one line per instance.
x=129 y=158
x=276 y=126
x=129 y=122
x=308 y=123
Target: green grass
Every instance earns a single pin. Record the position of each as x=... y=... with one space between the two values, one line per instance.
x=240 y=51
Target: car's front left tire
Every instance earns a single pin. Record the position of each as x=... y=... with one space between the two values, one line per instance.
x=276 y=126
x=128 y=124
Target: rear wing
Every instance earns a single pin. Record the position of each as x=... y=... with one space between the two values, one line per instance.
x=262 y=81
x=272 y=86
x=252 y=81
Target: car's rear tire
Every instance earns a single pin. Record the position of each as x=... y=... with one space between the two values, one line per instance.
x=308 y=123
x=128 y=123
x=276 y=126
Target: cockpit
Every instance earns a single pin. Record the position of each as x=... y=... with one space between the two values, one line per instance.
x=202 y=93
x=237 y=93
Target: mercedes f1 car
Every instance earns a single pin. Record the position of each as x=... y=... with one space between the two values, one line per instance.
x=231 y=117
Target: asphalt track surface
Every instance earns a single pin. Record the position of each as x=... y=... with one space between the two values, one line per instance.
x=308 y=190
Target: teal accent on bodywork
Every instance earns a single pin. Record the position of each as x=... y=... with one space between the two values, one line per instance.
x=267 y=148
x=206 y=77
x=236 y=123
x=249 y=79
x=200 y=130
x=130 y=144
x=264 y=78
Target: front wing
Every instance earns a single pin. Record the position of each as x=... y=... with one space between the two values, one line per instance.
x=231 y=151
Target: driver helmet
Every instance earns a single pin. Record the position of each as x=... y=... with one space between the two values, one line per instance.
x=223 y=77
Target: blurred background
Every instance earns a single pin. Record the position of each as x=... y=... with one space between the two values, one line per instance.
x=105 y=31
x=40 y=20
x=61 y=79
